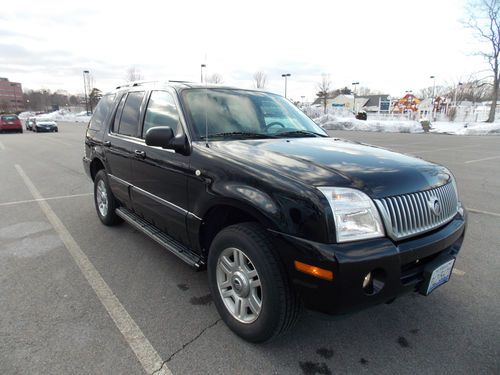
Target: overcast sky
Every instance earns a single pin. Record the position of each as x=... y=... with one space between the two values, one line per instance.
x=391 y=46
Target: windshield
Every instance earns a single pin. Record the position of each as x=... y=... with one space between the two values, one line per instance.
x=241 y=113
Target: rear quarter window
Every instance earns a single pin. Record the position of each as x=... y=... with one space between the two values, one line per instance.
x=102 y=112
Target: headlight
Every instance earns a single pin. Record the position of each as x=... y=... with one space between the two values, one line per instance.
x=355 y=214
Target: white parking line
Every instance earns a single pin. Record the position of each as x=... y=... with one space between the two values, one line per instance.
x=44 y=199
x=483 y=159
x=2 y=147
x=140 y=345
x=483 y=212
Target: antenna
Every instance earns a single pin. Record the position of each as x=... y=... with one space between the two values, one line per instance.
x=206 y=112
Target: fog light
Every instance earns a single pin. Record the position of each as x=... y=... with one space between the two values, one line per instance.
x=368 y=281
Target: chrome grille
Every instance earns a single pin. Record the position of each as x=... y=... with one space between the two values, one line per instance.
x=411 y=214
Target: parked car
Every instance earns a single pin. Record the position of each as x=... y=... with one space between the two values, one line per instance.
x=44 y=125
x=281 y=215
x=29 y=123
x=10 y=123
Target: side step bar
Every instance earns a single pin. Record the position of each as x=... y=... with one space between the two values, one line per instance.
x=161 y=237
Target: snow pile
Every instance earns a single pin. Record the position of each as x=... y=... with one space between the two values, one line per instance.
x=332 y=122
x=25 y=115
x=466 y=128
x=64 y=115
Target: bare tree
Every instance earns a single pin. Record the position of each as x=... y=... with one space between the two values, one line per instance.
x=215 y=78
x=133 y=74
x=260 y=79
x=427 y=92
x=324 y=87
x=484 y=21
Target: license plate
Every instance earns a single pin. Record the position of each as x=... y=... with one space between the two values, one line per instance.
x=440 y=275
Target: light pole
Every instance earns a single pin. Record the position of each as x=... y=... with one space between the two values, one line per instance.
x=286 y=75
x=85 y=91
x=201 y=72
x=455 y=98
x=355 y=84
x=433 y=92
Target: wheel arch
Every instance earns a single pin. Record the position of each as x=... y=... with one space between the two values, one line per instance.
x=95 y=166
x=228 y=212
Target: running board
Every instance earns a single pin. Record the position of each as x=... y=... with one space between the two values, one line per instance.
x=160 y=237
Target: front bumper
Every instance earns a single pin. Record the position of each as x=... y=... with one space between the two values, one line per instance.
x=399 y=266
x=46 y=128
x=86 y=166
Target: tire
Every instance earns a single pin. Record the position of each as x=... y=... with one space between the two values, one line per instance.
x=279 y=304
x=105 y=212
x=57 y=130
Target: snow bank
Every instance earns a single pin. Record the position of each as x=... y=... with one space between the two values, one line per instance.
x=61 y=115
x=332 y=122
x=466 y=128
x=64 y=115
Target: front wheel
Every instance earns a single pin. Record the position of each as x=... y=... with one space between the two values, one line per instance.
x=105 y=202
x=249 y=285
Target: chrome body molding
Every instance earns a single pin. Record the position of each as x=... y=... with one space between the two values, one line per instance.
x=155 y=197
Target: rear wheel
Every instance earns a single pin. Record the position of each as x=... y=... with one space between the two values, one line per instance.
x=105 y=202
x=249 y=285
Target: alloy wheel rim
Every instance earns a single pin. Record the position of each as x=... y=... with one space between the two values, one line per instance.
x=102 y=198
x=239 y=285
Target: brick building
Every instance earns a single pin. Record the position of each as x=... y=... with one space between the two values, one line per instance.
x=11 y=96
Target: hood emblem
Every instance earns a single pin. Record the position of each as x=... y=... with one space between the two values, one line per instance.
x=434 y=205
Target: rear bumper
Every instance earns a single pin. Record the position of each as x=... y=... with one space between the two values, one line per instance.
x=399 y=266
x=11 y=127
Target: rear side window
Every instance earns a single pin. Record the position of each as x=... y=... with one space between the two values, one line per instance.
x=129 y=120
x=161 y=111
x=101 y=112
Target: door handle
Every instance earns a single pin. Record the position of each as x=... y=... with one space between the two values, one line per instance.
x=140 y=154
x=107 y=144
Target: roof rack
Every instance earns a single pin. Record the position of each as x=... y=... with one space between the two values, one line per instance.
x=176 y=81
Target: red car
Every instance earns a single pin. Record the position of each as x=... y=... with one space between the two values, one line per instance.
x=10 y=123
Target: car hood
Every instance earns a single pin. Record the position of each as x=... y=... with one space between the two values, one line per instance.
x=333 y=162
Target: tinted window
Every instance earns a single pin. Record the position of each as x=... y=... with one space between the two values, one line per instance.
x=161 y=111
x=118 y=114
x=9 y=118
x=129 y=121
x=101 y=112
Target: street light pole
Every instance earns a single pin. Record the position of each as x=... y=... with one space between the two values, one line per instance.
x=286 y=75
x=433 y=92
x=85 y=91
x=201 y=72
x=355 y=84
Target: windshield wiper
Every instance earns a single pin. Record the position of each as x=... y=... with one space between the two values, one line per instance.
x=237 y=134
x=300 y=133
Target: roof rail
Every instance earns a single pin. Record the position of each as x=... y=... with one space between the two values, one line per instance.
x=133 y=84
x=176 y=81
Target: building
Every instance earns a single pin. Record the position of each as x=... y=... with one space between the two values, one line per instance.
x=11 y=96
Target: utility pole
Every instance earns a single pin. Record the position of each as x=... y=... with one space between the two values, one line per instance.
x=85 y=91
x=286 y=75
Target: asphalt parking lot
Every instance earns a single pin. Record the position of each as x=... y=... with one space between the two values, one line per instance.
x=54 y=322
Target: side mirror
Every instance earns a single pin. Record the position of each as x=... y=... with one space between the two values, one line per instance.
x=159 y=136
x=163 y=136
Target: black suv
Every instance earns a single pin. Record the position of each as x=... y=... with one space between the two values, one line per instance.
x=282 y=215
